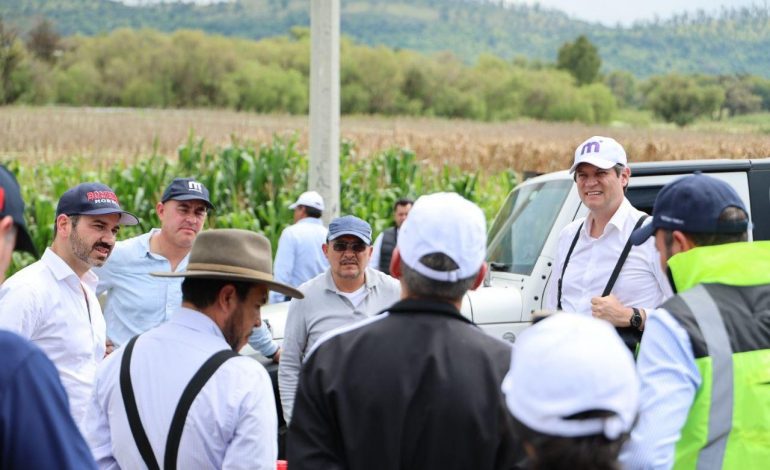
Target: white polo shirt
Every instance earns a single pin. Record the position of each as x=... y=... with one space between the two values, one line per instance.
x=641 y=283
x=231 y=424
x=49 y=305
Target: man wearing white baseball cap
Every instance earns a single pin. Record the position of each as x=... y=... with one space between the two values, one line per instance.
x=573 y=392
x=596 y=271
x=299 y=257
x=417 y=386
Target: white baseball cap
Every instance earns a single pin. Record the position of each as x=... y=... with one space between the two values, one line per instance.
x=444 y=223
x=309 y=199
x=567 y=364
x=602 y=152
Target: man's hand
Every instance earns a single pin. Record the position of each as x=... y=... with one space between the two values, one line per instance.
x=109 y=347
x=277 y=355
x=609 y=308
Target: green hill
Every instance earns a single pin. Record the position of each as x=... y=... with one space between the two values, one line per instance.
x=734 y=42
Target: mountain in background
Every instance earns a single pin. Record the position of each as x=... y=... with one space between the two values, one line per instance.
x=734 y=42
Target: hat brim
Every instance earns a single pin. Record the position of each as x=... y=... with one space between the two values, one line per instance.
x=126 y=218
x=24 y=241
x=191 y=197
x=642 y=234
x=595 y=161
x=272 y=285
x=363 y=237
x=294 y=206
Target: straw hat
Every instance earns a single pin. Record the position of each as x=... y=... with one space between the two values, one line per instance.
x=233 y=254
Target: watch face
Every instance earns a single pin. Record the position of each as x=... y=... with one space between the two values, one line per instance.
x=636 y=319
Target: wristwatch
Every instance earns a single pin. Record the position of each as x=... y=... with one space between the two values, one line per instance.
x=636 y=319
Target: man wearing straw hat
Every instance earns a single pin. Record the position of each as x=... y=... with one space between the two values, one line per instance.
x=186 y=375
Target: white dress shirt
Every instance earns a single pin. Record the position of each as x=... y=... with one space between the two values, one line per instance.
x=299 y=256
x=641 y=283
x=49 y=305
x=231 y=424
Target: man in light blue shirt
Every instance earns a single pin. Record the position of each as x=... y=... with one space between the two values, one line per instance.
x=135 y=301
x=299 y=256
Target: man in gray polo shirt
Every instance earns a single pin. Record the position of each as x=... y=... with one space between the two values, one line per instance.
x=347 y=292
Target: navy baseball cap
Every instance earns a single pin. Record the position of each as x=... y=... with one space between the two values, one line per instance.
x=93 y=199
x=187 y=189
x=12 y=204
x=350 y=225
x=693 y=204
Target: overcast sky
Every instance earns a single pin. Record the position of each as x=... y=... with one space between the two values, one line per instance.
x=625 y=12
x=609 y=12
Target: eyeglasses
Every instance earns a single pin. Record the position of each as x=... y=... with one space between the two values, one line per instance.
x=357 y=247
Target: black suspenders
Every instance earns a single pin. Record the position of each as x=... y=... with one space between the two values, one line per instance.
x=629 y=335
x=615 y=272
x=180 y=414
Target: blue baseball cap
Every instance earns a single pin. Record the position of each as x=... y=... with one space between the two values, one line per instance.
x=187 y=189
x=350 y=225
x=93 y=199
x=12 y=204
x=693 y=204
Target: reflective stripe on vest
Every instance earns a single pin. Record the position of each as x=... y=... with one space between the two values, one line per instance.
x=714 y=332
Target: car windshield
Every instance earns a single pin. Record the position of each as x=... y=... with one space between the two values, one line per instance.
x=522 y=226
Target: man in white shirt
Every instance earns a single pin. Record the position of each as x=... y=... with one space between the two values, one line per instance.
x=590 y=249
x=349 y=291
x=298 y=257
x=52 y=302
x=386 y=241
x=138 y=409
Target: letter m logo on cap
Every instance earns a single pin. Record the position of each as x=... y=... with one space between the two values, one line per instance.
x=590 y=147
x=195 y=186
x=2 y=199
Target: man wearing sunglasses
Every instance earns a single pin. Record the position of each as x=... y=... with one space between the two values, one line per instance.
x=347 y=292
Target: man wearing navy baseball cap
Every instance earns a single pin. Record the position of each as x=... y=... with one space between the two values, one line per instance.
x=347 y=292
x=52 y=301
x=417 y=386
x=704 y=361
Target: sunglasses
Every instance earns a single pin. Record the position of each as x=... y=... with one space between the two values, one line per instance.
x=357 y=247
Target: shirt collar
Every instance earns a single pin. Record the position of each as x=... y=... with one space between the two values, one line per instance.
x=197 y=321
x=61 y=270
x=310 y=220
x=372 y=280
x=144 y=242
x=427 y=306
x=618 y=219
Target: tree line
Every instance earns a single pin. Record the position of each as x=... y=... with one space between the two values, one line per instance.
x=147 y=68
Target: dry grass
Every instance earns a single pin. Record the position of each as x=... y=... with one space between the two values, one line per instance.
x=51 y=133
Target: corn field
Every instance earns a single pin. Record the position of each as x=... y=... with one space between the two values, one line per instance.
x=251 y=184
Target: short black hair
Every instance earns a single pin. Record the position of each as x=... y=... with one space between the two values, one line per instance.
x=312 y=212
x=402 y=202
x=203 y=292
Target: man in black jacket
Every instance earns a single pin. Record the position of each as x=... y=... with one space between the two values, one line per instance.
x=417 y=386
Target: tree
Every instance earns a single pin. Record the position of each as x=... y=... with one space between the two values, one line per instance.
x=681 y=100
x=11 y=57
x=581 y=59
x=43 y=40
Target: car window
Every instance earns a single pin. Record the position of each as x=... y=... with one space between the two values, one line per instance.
x=523 y=224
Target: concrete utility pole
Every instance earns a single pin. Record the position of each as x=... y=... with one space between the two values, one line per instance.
x=324 y=174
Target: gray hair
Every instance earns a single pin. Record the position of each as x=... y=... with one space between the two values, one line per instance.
x=425 y=287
